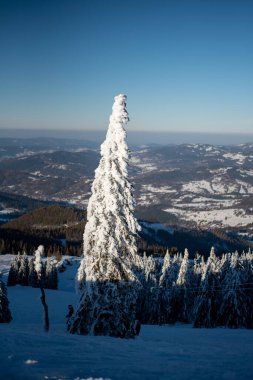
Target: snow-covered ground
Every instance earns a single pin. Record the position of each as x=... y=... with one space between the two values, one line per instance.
x=159 y=353
x=240 y=158
x=162 y=189
x=228 y=217
x=217 y=187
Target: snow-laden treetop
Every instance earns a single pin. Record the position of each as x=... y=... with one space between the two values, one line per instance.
x=119 y=112
x=115 y=137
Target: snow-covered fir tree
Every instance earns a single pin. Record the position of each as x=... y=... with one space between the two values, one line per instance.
x=236 y=307
x=32 y=276
x=106 y=276
x=220 y=290
x=208 y=301
x=32 y=271
x=13 y=272
x=167 y=288
x=151 y=294
x=198 y=269
x=225 y=265
x=166 y=264
x=38 y=266
x=81 y=277
x=19 y=271
x=142 y=278
x=23 y=271
x=51 y=275
x=142 y=271
x=5 y=314
x=248 y=277
x=183 y=297
x=181 y=280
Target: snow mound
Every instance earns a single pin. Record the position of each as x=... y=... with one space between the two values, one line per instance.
x=31 y=361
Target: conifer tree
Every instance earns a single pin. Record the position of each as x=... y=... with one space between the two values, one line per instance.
x=141 y=273
x=109 y=285
x=13 y=274
x=182 y=292
x=198 y=269
x=168 y=293
x=5 y=314
x=14 y=269
x=225 y=266
x=81 y=277
x=236 y=307
x=208 y=301
x=40 y=271
x=32 y=276
x=51 y=275
x=142 y=294
x=248 y=281
x=38 y=267
x=151 y=293
x=23 y=271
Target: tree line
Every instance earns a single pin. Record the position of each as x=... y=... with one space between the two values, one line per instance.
x=13 y=241
x=215 y=292
x=24 y=271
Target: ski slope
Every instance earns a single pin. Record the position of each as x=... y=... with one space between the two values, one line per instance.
x=159 y=353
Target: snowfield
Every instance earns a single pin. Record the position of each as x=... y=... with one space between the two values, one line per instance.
x=229 y=217
x=240 y=158
x=159 y=353
x=217 y=187
x=163 y=189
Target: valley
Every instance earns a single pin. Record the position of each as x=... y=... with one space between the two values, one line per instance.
x=188 y=187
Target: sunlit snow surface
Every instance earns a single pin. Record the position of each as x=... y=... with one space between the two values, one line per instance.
x=160 y=352
x=232 y=217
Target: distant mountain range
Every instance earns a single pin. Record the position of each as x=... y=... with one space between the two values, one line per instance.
x=186 y=187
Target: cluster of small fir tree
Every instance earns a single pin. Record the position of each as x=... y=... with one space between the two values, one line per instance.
x=218 y=292
x=33 y=271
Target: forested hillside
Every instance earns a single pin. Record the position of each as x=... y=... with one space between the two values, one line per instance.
x=60 y=230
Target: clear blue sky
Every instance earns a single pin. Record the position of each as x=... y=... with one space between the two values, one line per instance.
x=185 y=65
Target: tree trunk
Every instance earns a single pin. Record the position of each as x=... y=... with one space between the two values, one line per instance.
x=46 y=317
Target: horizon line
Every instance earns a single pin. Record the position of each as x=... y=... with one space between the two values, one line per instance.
x=128 y=131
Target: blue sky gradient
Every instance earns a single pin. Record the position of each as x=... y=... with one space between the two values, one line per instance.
x=185 y=65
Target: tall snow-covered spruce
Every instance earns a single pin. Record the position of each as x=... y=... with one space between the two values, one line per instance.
x=106 y=277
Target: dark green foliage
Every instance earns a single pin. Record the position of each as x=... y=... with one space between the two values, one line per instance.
x=50 y=218
x=12 y=277
x=51 y=275
x=58 y=228
x=169 y=307
x=32 y=277
x=208 y=303
x=5 y=314
x=14 y=271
